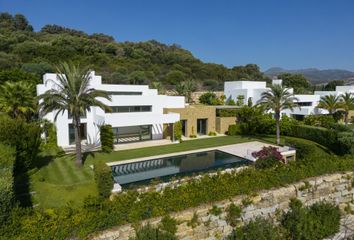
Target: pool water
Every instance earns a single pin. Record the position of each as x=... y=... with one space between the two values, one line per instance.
x=168 y=167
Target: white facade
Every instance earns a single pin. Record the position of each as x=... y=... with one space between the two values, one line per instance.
x=254 y=89
x=339 y=91
x=134 y=107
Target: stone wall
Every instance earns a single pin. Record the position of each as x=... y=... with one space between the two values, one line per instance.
x=191 y=113
x=336 y=188
x=195 y=95
x=223 y=123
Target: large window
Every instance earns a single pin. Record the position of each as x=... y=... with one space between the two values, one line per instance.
x=124 y=93
x=125 y=109
x=132 y=133
x=83 y=132
x=304 y=104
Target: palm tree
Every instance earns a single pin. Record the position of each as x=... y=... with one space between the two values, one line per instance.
x=277 y=99
x=160 y=88
x=347 y=103
x=186 y=88
x=330 y=103
x=17 y=99
x=72 y=93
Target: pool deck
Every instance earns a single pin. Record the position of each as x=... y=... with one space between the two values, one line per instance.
x=241 y=149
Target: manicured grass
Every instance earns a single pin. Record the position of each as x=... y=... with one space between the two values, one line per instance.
x=61 y=181
x=165 y=149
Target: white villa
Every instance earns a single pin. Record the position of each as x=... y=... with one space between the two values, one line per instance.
x=253 y=90
x=140 y=113
x=339 y=90
x=137 y=113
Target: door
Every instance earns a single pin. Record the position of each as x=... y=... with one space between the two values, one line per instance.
x=184 y=127
x=202 y=126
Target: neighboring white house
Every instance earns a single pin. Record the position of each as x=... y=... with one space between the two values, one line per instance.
x=339 y=91
x=253 y=90
x=137 y=113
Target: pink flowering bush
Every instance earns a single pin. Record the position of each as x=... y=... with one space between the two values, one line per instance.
x=267 y=157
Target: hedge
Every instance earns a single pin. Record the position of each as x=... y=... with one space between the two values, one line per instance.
x=103 y=179
x=326 y=137
x=107 y=139
x=226 y=113
x=24 y=137
x=7 y=161
x=70 y=222
x=233 y=130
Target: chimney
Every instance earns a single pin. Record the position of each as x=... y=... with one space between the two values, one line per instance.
x=277 y=81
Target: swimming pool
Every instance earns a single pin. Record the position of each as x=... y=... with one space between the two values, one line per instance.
x=168 y=167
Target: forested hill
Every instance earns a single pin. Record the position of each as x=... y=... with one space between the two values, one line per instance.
x=118 y=62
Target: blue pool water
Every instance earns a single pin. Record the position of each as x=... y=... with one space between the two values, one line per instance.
x=165 y=168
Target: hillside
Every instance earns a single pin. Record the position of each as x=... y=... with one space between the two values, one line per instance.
x=315 y=75
x=118 y=62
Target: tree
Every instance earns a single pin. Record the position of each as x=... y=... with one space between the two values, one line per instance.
x=210 y=98
x=72 y=93
x=186 y=88
x=16 y=99
x=248 y=72
x=347 y=103
x=138 y=77
x=330 y=103
x=296 y=81
x=160 y=88
x=331 y=85
x=175 y=77
x=277 y=99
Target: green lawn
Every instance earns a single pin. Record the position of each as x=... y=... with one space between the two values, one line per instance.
x=62 y=182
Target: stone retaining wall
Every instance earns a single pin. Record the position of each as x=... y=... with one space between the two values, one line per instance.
x=335 y=188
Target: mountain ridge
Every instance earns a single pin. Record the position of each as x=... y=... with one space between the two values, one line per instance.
x=315 y=75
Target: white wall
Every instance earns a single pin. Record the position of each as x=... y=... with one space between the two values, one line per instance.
x=97 y=117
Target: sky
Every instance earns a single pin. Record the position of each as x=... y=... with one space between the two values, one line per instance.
x=291 y=34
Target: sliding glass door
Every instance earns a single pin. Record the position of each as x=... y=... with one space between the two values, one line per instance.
x=202 y=126
x=132 y=134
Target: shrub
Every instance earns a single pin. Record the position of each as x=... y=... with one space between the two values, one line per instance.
x=215 y=210
x=318 y=221
x=233 y=130
x=233 y=213
x=258 y=229
x=103 y=179
x=346 y=142
x=49 y=145
x=231 y=102
x=210 y=98
x=169 y=224
x=226 y=113
x=7 y=161
x=267 y=157
x=212 y=134
x=107 y=139
x=24 y=137
x=177 y=131
x=319 y=120
x=148 y=232
x=252 y=120
x=193 y=223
